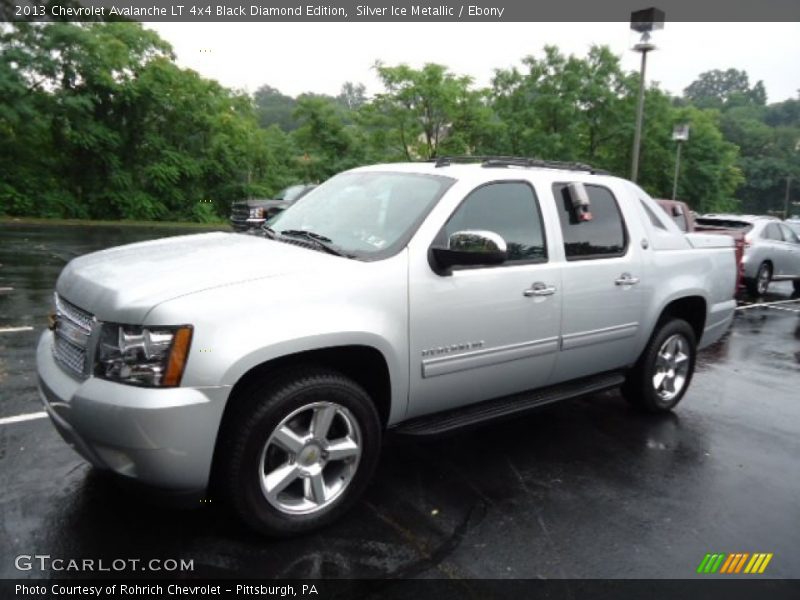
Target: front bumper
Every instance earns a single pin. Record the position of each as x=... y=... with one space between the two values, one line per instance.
x=161 y=437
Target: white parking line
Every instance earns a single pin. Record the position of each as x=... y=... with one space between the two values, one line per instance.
x=15 y=329
x=766 y=304
x=21 y=418
x=791 y=310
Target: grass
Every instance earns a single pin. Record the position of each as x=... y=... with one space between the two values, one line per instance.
x=221 y=225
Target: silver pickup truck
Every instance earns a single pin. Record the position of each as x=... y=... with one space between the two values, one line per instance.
x=419 y=297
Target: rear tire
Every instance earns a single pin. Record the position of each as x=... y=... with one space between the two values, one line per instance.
x=760 y=285
x=796 y=284
x=664 y=371
x=299 y=450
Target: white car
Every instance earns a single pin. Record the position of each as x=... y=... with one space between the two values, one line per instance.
x=771 y=250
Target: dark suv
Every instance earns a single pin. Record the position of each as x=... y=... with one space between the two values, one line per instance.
x=251 y=214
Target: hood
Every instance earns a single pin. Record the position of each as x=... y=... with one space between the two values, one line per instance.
x=122 y=284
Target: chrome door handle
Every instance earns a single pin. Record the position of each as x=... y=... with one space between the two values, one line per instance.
x=626 y=279
x=539 y=289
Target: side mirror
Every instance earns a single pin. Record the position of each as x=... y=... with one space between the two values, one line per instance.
x=468 y=248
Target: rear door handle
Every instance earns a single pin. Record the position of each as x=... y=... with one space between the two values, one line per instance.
x=539 y=289
x=626 y=279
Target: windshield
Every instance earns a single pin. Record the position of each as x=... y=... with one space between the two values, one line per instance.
x=290 y=193
x=370 y=214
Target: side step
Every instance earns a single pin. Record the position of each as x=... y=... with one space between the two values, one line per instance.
x=507 y=406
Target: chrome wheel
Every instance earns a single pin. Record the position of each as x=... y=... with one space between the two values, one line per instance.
x=310 y=458
x=763 y=280
x=672 y=367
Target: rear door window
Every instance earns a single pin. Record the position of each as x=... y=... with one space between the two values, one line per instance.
x=789 y=235
x=602 y=237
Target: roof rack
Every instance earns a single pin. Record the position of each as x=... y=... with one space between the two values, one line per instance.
x=516 y=161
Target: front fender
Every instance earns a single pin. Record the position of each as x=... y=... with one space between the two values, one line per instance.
x=239 y=327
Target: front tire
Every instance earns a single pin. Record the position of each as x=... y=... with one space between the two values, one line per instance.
x=299 y=451
x=663 y=372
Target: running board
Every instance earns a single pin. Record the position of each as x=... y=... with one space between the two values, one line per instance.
x=507 y=406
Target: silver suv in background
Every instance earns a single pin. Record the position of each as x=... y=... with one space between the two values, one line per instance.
x=771 y=252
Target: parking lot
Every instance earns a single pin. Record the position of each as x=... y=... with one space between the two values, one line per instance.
x=583 y=489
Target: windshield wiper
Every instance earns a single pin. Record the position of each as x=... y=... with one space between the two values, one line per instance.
x=269 y=231
x=317 y=239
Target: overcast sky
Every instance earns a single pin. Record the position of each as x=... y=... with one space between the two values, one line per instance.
x=319 y=57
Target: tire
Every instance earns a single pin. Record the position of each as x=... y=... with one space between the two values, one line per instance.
x=276 y=463
x=796 y=284
x=759 y=285
x=642 y=389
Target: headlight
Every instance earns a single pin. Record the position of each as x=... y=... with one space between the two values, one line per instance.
x=146 y=356
x=256 y=213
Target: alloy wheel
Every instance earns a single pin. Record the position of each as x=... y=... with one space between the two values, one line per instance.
x=310 y=458
x=672 y=367
x=763 y=279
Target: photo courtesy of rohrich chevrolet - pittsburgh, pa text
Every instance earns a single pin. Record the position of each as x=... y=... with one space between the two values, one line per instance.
x=391 y=299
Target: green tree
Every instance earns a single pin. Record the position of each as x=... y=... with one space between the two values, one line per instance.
x=275 y=108
x=352 y=96
x=327 y=143
x=721 y=89
x=423 y=106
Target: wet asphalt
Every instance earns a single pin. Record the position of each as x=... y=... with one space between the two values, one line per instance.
x=584 y=489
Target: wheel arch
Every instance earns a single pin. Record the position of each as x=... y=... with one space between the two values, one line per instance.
x=692 y=308
x=366 y=365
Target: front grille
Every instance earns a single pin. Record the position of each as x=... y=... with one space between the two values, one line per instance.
x=240 y=212
x=77 y=315
x=70 y=356
x=71 y=336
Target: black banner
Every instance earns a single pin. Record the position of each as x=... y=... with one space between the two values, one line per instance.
x=393 y=10
x=416 y=589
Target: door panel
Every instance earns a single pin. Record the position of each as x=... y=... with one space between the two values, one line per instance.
x=603 y=287
x=488 y=331
x=601 y=319
x=792 y=249
x=476 y=335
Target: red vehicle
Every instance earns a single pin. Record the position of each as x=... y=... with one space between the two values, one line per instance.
x=683 y=217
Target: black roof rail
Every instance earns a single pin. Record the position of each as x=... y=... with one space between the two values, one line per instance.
x=516 y=161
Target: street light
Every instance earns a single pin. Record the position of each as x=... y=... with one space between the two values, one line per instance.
x=680 y=133
x=644 y=22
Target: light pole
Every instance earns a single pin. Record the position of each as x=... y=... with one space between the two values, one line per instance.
x=680 y=133
x=644 y=22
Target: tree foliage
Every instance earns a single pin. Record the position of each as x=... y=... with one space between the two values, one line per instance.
x=97 y=121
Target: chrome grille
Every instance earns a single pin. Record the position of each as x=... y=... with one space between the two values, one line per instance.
x=71 y=356
x=240 y=211
x=78 y=316
x=72 y=329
